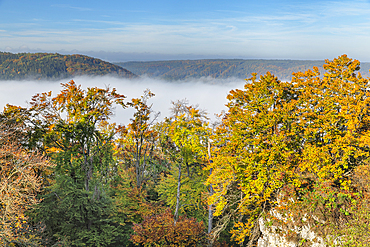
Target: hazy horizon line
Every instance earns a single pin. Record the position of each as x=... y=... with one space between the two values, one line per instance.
x=121 y=57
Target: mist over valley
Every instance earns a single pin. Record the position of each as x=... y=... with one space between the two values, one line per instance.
x=209 y=93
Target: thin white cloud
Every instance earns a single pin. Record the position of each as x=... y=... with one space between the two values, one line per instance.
x=287 y=33
x=346 y=8
x=71 y=7
x=100 y=21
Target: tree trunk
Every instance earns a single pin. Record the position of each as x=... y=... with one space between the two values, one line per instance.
x=210 y=207
x=89 y=172
x=137 y=163
x=137 y=168
x=176 y=215
x=256 y=234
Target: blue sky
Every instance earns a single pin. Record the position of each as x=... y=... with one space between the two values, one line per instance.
x=167 y=29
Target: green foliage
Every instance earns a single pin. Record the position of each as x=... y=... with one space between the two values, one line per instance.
x=186 y=137
x=193 y=192
x=72 y=129
x=68 y=206
x=131 y=204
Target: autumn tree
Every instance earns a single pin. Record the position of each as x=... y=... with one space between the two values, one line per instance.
x=72 y=129
x=333 y=116
x=136 y=144
x=251 y=159
x=159 y=230
x=20 y=182
x=140 y=164
x=185 y=137
x=308 y=134
x=131 y=204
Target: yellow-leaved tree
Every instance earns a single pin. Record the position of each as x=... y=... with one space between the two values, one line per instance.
x=187 y=135
x=286 y=151
x=252 y=154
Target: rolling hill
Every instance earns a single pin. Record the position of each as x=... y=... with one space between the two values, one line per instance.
x=51 y=66
x=54 y=66
x=223 y=68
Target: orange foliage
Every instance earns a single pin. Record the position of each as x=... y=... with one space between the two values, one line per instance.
x=160 y=230
x=19 y=184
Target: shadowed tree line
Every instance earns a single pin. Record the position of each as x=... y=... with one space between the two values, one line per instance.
x=224 y=68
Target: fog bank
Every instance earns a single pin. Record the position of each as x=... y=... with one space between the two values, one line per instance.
x=210 y=94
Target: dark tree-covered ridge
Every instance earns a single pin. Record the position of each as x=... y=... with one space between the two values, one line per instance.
x=224 y=68
x=54 y=66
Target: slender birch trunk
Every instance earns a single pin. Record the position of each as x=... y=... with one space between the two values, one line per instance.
x=176 y=215
x=210 y=207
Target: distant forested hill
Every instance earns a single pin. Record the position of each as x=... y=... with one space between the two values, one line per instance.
x=54 y=66
x=223 y=68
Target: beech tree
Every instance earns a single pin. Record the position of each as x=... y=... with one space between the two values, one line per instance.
x=136 y=144
x=186 y=133
x=305 y=134
x=333 y=116
x=139 y=167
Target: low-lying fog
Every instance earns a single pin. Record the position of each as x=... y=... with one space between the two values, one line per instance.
x=209 y=94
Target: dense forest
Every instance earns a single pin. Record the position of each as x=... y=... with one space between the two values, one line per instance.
x=223 y=68
x=287 y=157
x=54 y=66
x=48 y=66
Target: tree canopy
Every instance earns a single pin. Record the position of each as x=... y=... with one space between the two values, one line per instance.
x=288 y=159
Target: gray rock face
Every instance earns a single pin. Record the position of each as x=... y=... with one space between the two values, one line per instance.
x=270 y=237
